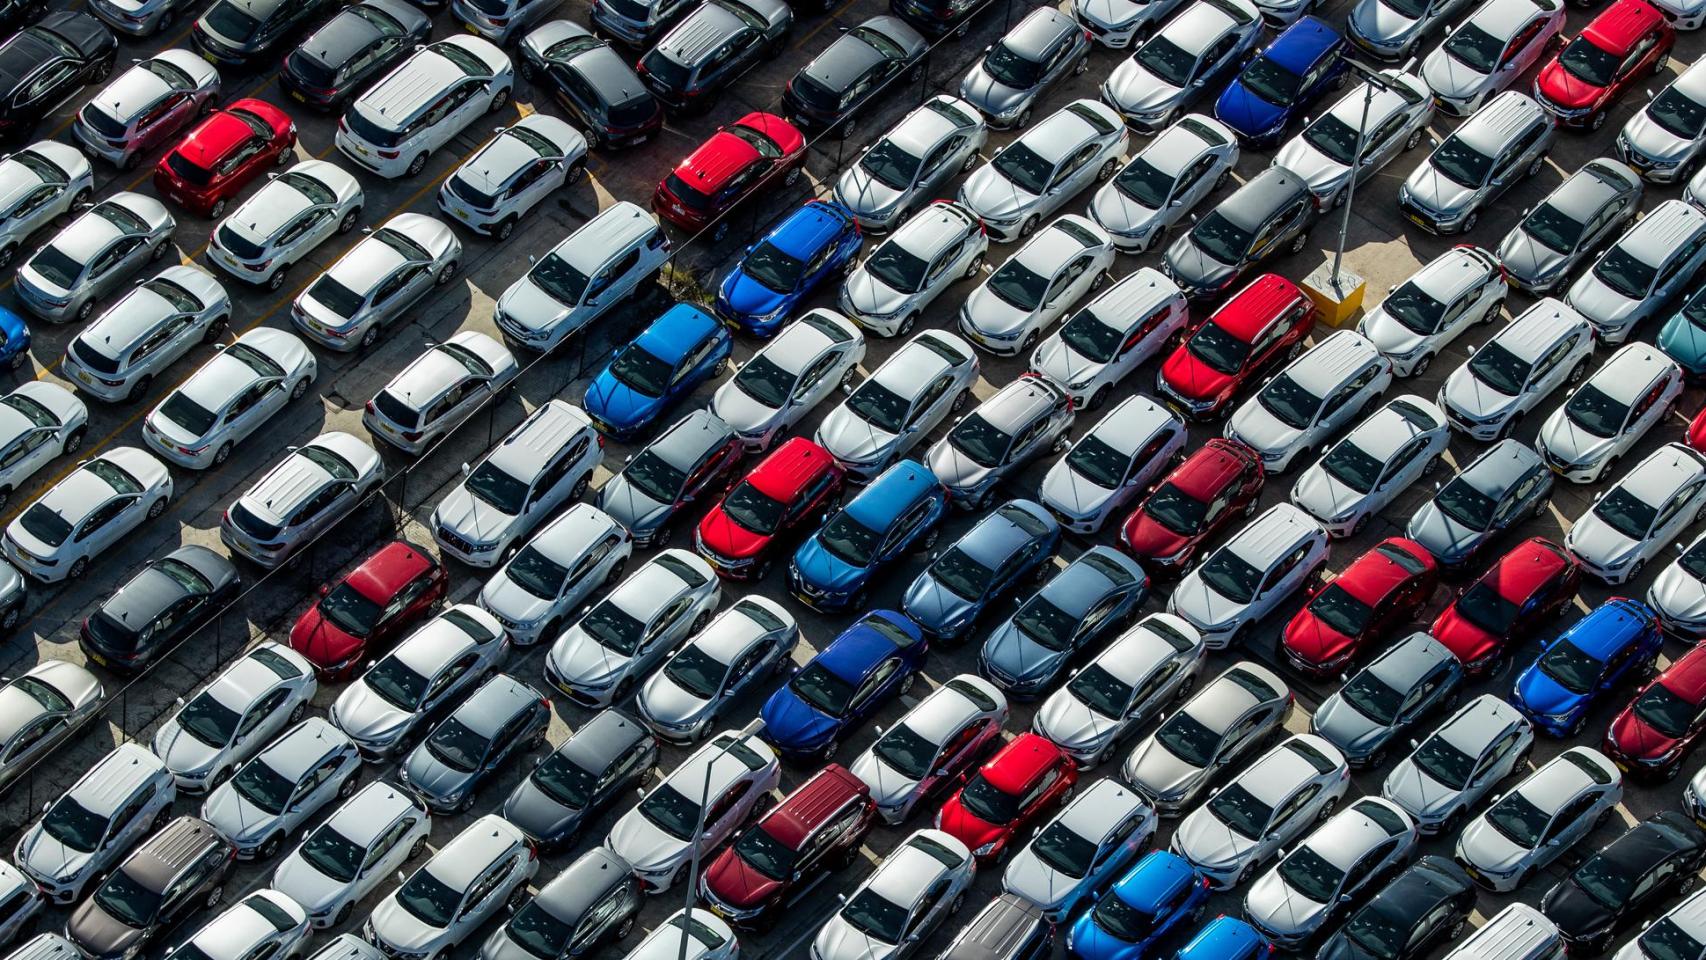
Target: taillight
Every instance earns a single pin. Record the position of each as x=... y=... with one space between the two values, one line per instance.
x=389 y=154
x=370 y=408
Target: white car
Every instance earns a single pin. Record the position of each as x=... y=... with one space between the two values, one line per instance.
x=1398 y=110
x=38 y=421
x=305 y=494
x=93 y=508
x=910 y=163
x=1112 y=335
x=1156 y=662
x=1548 y=345
x=1610 y=412
x=236 y=714
x=742 y=647
x=146 y=106
x=1112 y=463
x=284 y=221
x=1460 y=762
x=1653 y=262
x=1035 y=175
x=374 y=285
x=422 y=103
x=915 y=389
x=1249 y=575
x=119 y=355
x=580 y=551
x=283 y=787
x=1286 y=791
x=1160 y=185
x=40 y=708
x=1369 y=467
x=691 y=934
x=926 y=750
x=921 y=883
x=1678 y=593
x=781 y=383
x=439 y=390
x=1227 y=719
x=668 y=830
x=1359 y=849
x=1547 y=814
x=1037 y=285
x=1116 y=23
x=1421 y=316
x=600 y=658
x=265 y=923
x=93 y=256
x=1173 y=64
x=1489 y=50
x=591 y=271
x=360 y=846
x=467 y=882
x=1332 y=384
x=1683 y=925
x=939 y=245
x=117 y=802
x=517 y=169
x=234 y=394
x=546 y=461
x=1663 y=138
x=1642 y=513
x=39 y=184
x=1094 y=839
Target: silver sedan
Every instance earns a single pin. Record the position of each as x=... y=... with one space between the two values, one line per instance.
x=40 y=708
x=1159 y=187
x=199 y=423
x=92 y=256
x=375 y=283
x=789 y=376
x=118 y=356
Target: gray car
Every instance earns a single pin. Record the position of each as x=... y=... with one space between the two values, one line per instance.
x=233 y=395
x=1398 y=110
x=1112 y=463
x=147 y=105
x=353 y=852
x=1460 y=762
x=907 y=166
x=1035 y=175
x=1392 y=29
x=684 y=463
x=741 y=648
x=1181 y=60
x=1151 y=665
x=373 y=285
x=608 y=756
x=119 y=355
x=40 y=708
x=1413 y=679
x=1272 y=211
x=305 y=494
x=92 y=256
x=592 y=903
x=1098 y=593
x=1229 y=718
x=1503 y=486
x=1555 y=236
x=1549 y=812
x=1504 y=142
x=1024 y=420
x=1319 y=880
x=963 y=581
x=496 y=724
x=39 y=184
x=1019 y=69
x=937 y=247
x=449 y=897
x=1094 y=838
x=283 y=787
x=122 y=798
x=1164 y=181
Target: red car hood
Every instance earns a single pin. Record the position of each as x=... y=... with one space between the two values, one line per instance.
x=1148 y=538
x=973 y=831
x=321 y=641
x=727 y=538
x=1313 y=640
x=1192 y=379
x=1566 y=90
x=735 y=882
x=1635 y=739
x=1465 y=640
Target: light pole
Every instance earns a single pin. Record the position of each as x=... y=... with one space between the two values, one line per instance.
x=1371 y=78
x=692 y=886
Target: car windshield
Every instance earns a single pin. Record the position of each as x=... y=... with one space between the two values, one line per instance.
x=765 y=381
x=965 y=577
x=1415 y=309
x=1012 y=69
x=982 y=441
x=1018 y=284
x=349 y=611
x=1166 y=60
x=131 y=903
x=1290 y=402
x=1185 y=737
x=1553 y=228
x=429 y=899
x=263 y=786
x=1333 y=138
x=655 y=477
x=1678 y=113
x=1049 y=626
x=226 y=20
x=771 y=267
x=1089 y=337
x=1475 y=48
x=209 y=721
x=491 y=484
x=1460 y=163
x=560 y=281
x=536 y=573
x=1444 y=762
x=1465 y=504
x=879 y=406
x=754 y=509
x=396 y=683
x=1626 y=513
x=875 y=916
x=849 y=540
x=1176 y=510
x=1220 y=350
x=1370 y=696
x=1240 y=809
x=1311 y=874
x=696 y=671
x=535 y=930
x=766 y=854
x=1379 y=933
x=1221 y=239
x=889 y=165
x=1666 y=940
x=908 y=753
x=671 y=811
x=1231 y=576
x=1594 y=411
x=1352 y=466
x=1519 y=820
x=1336 y=608
x=987 y=802
x=456 y=745
x=1271 y=82
x=821 y=688
x=1144 y=184
x=642 y=370
x=1100 y=690
x=1694 y=561
x=73 y=825
x=1625 y=273
x=1098 y=461
x=1589 y=63
x=897 y=268
x=1664 y=711
x=332 y=853
x=565 y=781
x=613 y=628
x=1064 y=850
x=1484 y=606
x=1024 y=167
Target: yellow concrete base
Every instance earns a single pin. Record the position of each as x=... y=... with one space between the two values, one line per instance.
x=1339 y=303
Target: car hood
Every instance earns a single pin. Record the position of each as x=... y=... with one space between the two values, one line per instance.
x=402 y=929
x=1598 y=302
x=1261 y=430
x=1192 y=265
x=1419 y=794
x=321 y=641
x=235 y=816
x=987 y=93
x=1312 y=639
x=1275 y=905
x=1527 y=258
x=1484 y=847
x=504 y=597
x=1345 y=726
x=1684 y=342
x=617 y=403
x=1210 y=843
x=1191 y=378
x=312 y=889
x=47 y=857
x=536 y=813
x=636 y=840
x=433 y=778
x=1474 y=396
x=1069 y=490
x=967 y=827
x=180 y=752
x=888 y=785
x=628 y=505
x=1154 y=769
x=1443 y=537
x=472 y=517
x=663 y=699
x=1111 y=12
x=728 y=538
x=1072 y=724
x=1204 y=606
x=737 y=884
x=1678 y=595
x=863 y=193
x=1636 y=738
x=499 y=946
x=1135 y=89
x=792 y=724
x=1450 y=77
x=1113 y=209
x=953 y=468
x=1593 y=539
x=1029 y=877
x=745 y=296
x=1246 y=112
x=1322 y=496
x=1387 y=334
x=1377 y=21
x=1566 y=440
x=1013 y=653
x=1575 y=912
x=1062 y=364
x=1653 y=140
x=1148 y=538
x=365 y=715
x=992 y=315
x=1463 y=638
x=853 y=438
x=993 y=196
x=823 y=569
x=740 y=411
x=530 y=306
x=578 y=658
x=1540 y=694
x=933 y=605
x=840 y=940
x=1565 y=89
x=98 y=933
x=872 y=297
x=1320 y=172
x=1436 y=191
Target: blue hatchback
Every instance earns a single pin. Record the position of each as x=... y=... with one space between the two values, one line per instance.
x=1281 y=83
x=1226 y=938
x=14 y=339
x=1158 y=894
x=1616 y=640
x=777 y=272
x=679 y=351
x=899 y=513
x=870 y=663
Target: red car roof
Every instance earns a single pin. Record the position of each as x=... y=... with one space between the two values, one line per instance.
x=1254 y=307
x=1687 y=676
x=1375 y=574
x=1623 y=23
x=1207 y=471
x=1020 y=763
x=1526 y=568
x=726 y=153
x=390 y=569
x=814 y=802
x=221 y=132
x=787 y=470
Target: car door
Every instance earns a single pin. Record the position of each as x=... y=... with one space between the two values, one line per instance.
x=260 y=721
x=939 y=165
x=103 y=526
x=398 y=291
x=1568 y=826
x=385 y=855
x=27 y=454
x=35 y=209
x=1520 y=52
x=466 y=104
x=1075 y=174
x=51 y=84
x=164 y=119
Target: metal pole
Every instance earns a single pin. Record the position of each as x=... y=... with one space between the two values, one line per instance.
x=692 y=886
x=1351 y=187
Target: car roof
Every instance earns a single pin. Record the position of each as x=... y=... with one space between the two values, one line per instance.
x=1474 y=727
x=1448 y=275
x=1137 y=294
x=736 y=628
x=1000 y=533
x=1500 y=466
x=1275 y=775
x=1101 y=807
x=388 y=570
x=526 y=450
x=949 y=707
x=1539 y=328
x=932 y=228
x=342 y=37
x=113 y=778
x=892 y=493
x=581 y=884
x=1037 y=32
x=1338 y=357
x=300 y=749
x=708 y=26
x=998 y=932
x=845 y=62
x=494 y=703
x=371 y=811
x=1137 y=652
x=1619 y=26
x=1668 y=228
x=718 y=765
x=1502 y=18
x=573 y=532
x=1272 y=535
x=1562 y=779
x=599 y=742
x=1020 y=762
x=1302 y=44
x=247 y=680
x=1525 y=567
x=1686 y=676
x=911 y=368
x=1610 y=627
x=1632 y=371
x=1261 y=197
x=1059 y=134
x=1690 y=915
x=937 y=119
x=292 y=481
x=606 y=235
x=458 y=863
x=1592 y=185
x=652 y=587
x=1657 y=477
x=1353 y=831
x=1227 y=698
x=908 y=871
x=1252 y=308
x=157 y=861
x=1090 y=577
x=809 y=228
x=689 y=438
x=246 y=924
x=1409 y=660
x=857 y=650
x=441 y=639
x=1376 y=573
x=1019 y=403
x=1155 y=881
x=1204 y=22
x=215 y=138
x=1397 y=422
x=812 y=803
x=789 y=468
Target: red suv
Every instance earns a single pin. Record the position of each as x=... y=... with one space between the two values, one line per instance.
x=1526 y=587
x=816 y=829
x=1628 y=41
x=728 y=167
x=788 y=491
x=1656 y=731
x=1384 y=587
x=217 y=159
x=1262 y=325
x=1012 y=792
x=1218 y=483
x=369 y=609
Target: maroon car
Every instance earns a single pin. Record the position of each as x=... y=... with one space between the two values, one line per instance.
x=1219 y=483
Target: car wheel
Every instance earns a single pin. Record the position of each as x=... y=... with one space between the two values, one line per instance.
x=1579 y=370
x=347 y=787
x=960 y=401
x=576 y=171
x=216 y=329
x=277 y=279
x=625 y=927
x=222 y=454
x=1099 y=397
x=1028 y=227
x=1422 y=365
x=103 y=70
x=1023 y=120
x=1470 y=221
x=1509 y=427
x=157 y=508
x=1030 y=342
x=299 y=389
x=416 y=165
x=826 y=753
x=467 y=803
x=906 y=325
x=348 y=222
x=215 y=895
x=1043 y=571
x=615 y=574
x=957 y=904
x=415 y=851
x=447 y=274
x=1415 y=138
x=1326 y=810
x=7 y=253
x=1535 y=165
x=1635 y=570
x=499 y=101
x=1298 y=242
x=1110 y=167
x=763 y=570
x=504 y=229
x=1597 y=121
x=1360 y=525
x=720 y=231
x=344 y=913
x=14 y=613
x=792 y=176
x=139 y=389
x=83 y=311
x=269 y=849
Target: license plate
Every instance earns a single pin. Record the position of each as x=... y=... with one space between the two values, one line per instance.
x=470 y=28
x=210 y=58
x=85 y=378
x=1474 y=874
x=359 y=149
x=461 y=214
x=1418 y=221
x=97 y=658
x=298 y=97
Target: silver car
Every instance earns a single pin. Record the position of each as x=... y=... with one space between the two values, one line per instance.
x=1643 y=512
x=448 y=898
x=1399 y=109
x=1489 y=50
x=1019 y=69
x=1160 y=185
x=93 y=256
x=301 y=497
x=1369 y=467
x=21 y=902
x=1678 y=593
x=1203 y=43
x=265 y=923
x=433 y=667
x=1359 y=849
x=1505 y=142
x=1245 y=578
x=741 y=648
x=514 y=172
x=86 y=513
x=619 y=640
x=146 y=106
x=1117 y=23
x=938 y=246
x=40 y=708
x=117 y=802
x=1032 y=177
x=1507 y=483
x=1037 y=285
x=580 y=551
x=283 y=787
x=39 y=184
x=1153 y=664
x=1547 y=814
x=771 y=392
x=234 y=394
x=1511 y=374
x=1413 y=678
x=1026 y=419
x=1653 y=262
x=360 y=846
x=235 y=715
x=1099 y=833
x=690 y=459
x=119 y=355
x=1111 y=336
x=1112 y=463
x=38 y=422
x=592 y=902
x=1665 y=136
x=1227 y=719
x=920 y=884
x=915 y=389
x=1610 y=412
x=1457 y=764
x=439 y=390
x=1332 y=384
x=924 y=752
x=487 y=732
x=1100 y=590
x=910 y=163
x=374 y=285
x=1419 y=317
x=284 y=221
x=1557 y=235
x=1392 y=29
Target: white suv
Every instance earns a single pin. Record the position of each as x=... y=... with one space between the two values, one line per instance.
x=1511 y=374
x=465 y=883
x=580 y=551
x=1610 y=412
x=90 y=511
x=1251 y=574
x=312 y=488
x=284 y=221
x=1330 y=385
x=393 y=127
x=439 y=390
x=492 y=190
x=121 y=799
x=118 y=356
x=592 y=270
x=1641 y=515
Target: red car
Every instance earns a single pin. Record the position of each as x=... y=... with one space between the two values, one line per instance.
x=727 y=168
x=1261 y=325
x=1657 y=730
x=1381 y=589
x=815 y=830
x=217 y=159
x=1526 y=587
x=1629 y=41
x=1697 y=431
x=1014 y=790
x=1215 y=485
x=788 y=491
x=369 y=609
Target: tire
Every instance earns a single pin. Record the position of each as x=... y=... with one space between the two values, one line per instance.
x=277 y=279
x=218 y=209
x=1299 y=242
x=499 y=101
x=369 y=338
x=85 y=310
x=347 y=787
x=269 y=849
x=1470 y=221
x=791 y=177
x=103 y=70
x=576 y=171
x=960 y=401
x=1421 y=366
x=348 y=222
x=957 y=904
x=301 y=388
x=1028 y=227
x=73 y=441
x=216 y=329
x=1110 y=167
x=415 y=851
x=1538 y=162
x=763 y=570
x=1579 y=370
x=906 y=325
x=7 y=254
x=222 y=454
x=1099 y=397
x=157 y=508
x=1415 y=139
x=130 y=161
x=1023 y=120
x=139 y=389
x=9 y=620
x=1326 y=811
x=580 y=486
x=157 y=252
x=416 y=165
x=504 y=230
x=625 y=927
x=447 y=274
x=1597 y=121
x=344 y=914
x=215 y=895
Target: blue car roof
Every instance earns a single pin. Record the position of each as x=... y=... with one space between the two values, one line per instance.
x=680 y=329
x=12 y=323
x=1155 y=880
x=1302 y=44
x=859 y=648
x=892 y=493
x=809 y=229
x=1222 y=938
x=1610 y=627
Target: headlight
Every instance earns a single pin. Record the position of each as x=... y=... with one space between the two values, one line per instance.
x=1620 y=562
x=986 y=849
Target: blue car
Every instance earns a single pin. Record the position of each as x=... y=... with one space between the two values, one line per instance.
x=869 y=664
x=1280 y=84
x=14 y=339
x=984 y=565
x=1683 y=337
x=1616 y=640
x=899 y=513
x=1158 y=894
x=679 y=351
x=1226 y=938
x=777 y=272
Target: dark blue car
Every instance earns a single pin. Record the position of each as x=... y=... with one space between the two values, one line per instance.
x=14 y=339
x=679 y=351
x=1160 y=893
x=869 y=664
x=819 y=240
x=1226 y=938
x=899 y=513
x=1616 y=640
x=1283 y=81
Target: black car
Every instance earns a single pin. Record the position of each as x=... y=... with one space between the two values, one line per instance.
x=146 y=617
x=17 y=13
x=601 y=92
x=1424 y=908
x=1625 y=882
x=838 y=82
x=718 y=42
x=236 y=33
x=44 y=64
x=354 y=48
x=606 y=758
x=1272 y=211
x=937 y=17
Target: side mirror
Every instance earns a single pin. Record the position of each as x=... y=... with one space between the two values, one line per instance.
x=879 y=729
x=324 y=590
x=465 y=468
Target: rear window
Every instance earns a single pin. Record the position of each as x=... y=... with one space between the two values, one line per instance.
x=93 y=359
x=120 y=218
x=760 y=615
x=1593 y=770
x=1385 y=816
x=971 y=693
x=335 y=297
x=102 y=122
x=1312 y=756
x=688 y=575
x=468 y=625
x=1252 y=683
x=241 y=247
x=465 y=61
x=245 y=520
x=186 y=171
x=689 y=196
x=193 y=417
x=370 y=131
x=396 y=410
x=269 y=911
x=311 y=71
